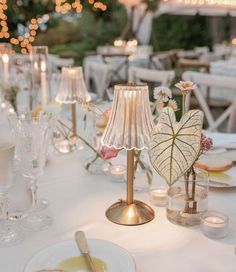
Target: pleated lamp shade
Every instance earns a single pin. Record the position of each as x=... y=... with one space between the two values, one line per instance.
x=130 y=122
x=72 y=87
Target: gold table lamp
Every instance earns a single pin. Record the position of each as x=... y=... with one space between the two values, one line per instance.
x=129 y=127
x=72 y=90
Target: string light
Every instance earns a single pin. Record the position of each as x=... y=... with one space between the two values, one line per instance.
x=26 y=41
x=3 y=20
x=62 y=6
x=205 y=3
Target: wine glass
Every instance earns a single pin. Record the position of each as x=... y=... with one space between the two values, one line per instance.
x=34 y=134
x=9 y=234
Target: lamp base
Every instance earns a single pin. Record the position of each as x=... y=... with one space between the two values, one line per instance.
x=126 y=214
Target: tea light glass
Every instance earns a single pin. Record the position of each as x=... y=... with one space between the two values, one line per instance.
x=117 y=172
x=214 y=224
x=158 y=195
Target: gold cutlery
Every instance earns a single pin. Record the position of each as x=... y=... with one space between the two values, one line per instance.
x=83 y=246
x=51 y=270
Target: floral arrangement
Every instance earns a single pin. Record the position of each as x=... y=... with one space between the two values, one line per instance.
x=163 y=97
x=176 y=146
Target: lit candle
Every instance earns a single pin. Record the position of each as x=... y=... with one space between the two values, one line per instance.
x=118 y=172
x=44 y=96
x=158 y=196
x=5 y=59
x=118 y=43
x=214 y=224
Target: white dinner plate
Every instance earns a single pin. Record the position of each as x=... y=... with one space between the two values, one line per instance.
x=116 y=258
x=225 y=179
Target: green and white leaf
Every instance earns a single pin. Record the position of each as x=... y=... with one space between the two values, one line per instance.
x=175 y=145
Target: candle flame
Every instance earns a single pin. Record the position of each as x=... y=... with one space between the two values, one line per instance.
x=5 y=58
x=43 y=66
x=36 y=66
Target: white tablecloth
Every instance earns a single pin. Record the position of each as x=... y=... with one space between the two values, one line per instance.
x=78 y=200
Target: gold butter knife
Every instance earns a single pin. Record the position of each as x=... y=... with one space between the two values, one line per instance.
x=51 y=270
x=83 y=246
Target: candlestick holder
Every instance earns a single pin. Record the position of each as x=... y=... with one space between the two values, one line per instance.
x=5 y=57
x=39 y=69
x=72 y=90
x=129 y=127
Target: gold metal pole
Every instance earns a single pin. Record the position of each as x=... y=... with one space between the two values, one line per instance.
x=130 y=176
x=74 y=119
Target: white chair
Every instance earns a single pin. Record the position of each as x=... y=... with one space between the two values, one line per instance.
x=101 y=75
x=57 y=63
x=207 y=81
x=201 y=50
x=163 y=78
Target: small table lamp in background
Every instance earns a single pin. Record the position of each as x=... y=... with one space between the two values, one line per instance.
x=129 y=127
x=72 y=90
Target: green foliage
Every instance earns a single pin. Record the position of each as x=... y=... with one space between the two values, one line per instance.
x=174 y=31
x=91 y=30
x=94 y=27
x=152 y=4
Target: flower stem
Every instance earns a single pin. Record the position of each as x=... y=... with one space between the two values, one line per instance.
x=183 y=104
x=87 y=144
x=142 y=165
x=194 y=209
x=186 y=184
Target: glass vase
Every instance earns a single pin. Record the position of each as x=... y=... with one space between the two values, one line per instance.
x=188 y=200
x=96 y=165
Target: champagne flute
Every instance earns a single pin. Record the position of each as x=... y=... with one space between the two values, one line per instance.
x=9 y=234
x=34 y=135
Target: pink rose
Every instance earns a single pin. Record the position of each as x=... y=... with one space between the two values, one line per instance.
x=107 y=113
x=108 y=153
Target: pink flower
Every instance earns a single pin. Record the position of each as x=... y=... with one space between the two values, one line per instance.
x=206 y=144
x=186 y=86
x=107 y=113
x=108 y=153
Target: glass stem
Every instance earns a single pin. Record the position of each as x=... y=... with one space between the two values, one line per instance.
x=34 y=189
x=4 y=207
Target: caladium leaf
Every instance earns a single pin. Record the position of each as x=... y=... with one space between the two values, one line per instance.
x=175 y=145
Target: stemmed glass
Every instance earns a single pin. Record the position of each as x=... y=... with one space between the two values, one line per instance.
x=9 y=234
x=34 y=134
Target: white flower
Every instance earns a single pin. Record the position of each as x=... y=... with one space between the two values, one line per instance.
x=162 y=93
x=186 y=86
x=172 y=104
x=159 y=105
